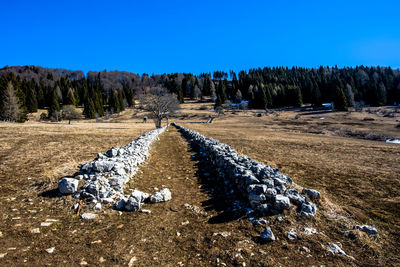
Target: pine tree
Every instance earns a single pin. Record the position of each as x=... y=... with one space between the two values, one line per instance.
x=192 y=91
x=269 y=97
x=299 y=98
x=340 y=100
x=183 y=86
x=54 y=108
x=40 y=96
x=21 y=100
x=263 y=98
x=59 y=94
x=31 y=101
x=221 y=96
x=10 y=110
x=349 y=95
x=129 y=96
x=121 y=100
x=70 y=97
x=223 y=90
x=206 y=86
x=89 y=111
x=178 y=90
x=316 y=96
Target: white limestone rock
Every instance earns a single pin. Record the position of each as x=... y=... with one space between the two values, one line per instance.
x=88 y=216
x=308 y=209
x=163 y=195
x=311 y=193
x=281 y=202
x=68 y=185
x=267 y=235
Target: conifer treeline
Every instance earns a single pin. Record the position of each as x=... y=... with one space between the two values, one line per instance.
x=113 y=91
x=279 y=87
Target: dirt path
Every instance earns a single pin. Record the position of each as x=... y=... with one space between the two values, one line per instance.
x=172 y=233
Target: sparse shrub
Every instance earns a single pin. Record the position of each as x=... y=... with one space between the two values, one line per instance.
x=368 y=119
x=43 y=116
x=227 y=104
x=54 y=116
x=219 y=110
x=203 y=107
x=243 y=105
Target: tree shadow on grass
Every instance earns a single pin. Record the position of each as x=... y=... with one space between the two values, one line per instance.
x=221 y=199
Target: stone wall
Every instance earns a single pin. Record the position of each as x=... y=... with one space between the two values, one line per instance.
x=265 y=189
x=106 y=175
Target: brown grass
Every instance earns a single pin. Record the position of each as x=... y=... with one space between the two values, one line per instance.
x=359 y=180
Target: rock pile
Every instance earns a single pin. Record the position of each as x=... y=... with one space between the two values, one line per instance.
x=267 y=191
x=106 y=175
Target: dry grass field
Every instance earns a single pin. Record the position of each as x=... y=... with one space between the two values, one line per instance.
x=359 y=180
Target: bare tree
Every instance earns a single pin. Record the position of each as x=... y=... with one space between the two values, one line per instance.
x=196 y=92
x=160 y=102
x=70 y=113
x=10 y=109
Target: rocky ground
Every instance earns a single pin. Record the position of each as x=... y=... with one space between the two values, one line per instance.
x=197 y=226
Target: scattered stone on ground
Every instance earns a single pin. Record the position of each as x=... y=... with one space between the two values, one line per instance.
x=309 y=231
x=97 y=206
x=194 y=209
x=257 y=221
x=75 y=206
x=267 y=235
x=88 y=216
x=68 y=185
x=370 y=230
x=304 y=249
x=50 y=250
x=48 y=222
x=336 y=249
x=145 y=211
x=291 y=235
x=35 y=231
x=223 y=234
x=163 y=195
x=132 y=261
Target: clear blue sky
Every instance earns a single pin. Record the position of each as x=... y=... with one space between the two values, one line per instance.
x=198 y=36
